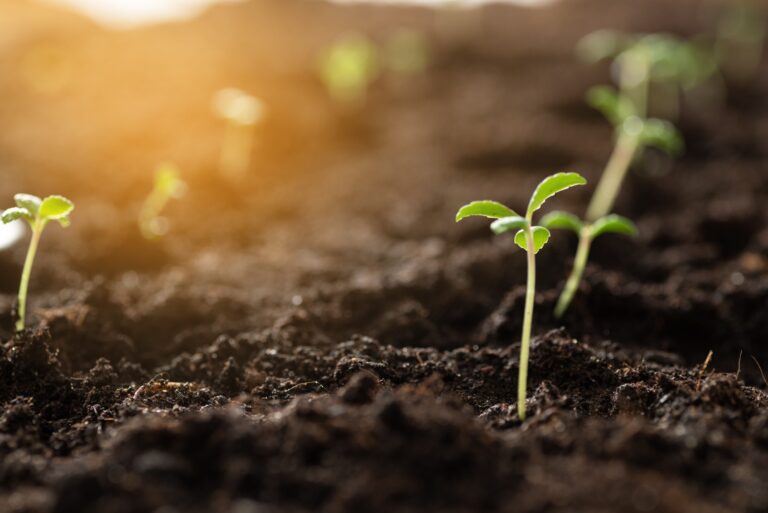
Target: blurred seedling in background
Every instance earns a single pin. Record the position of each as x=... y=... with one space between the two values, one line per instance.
x=168 y=185
x=242 y=113
x=530 y=238
x=651 y=70
x=632 y=135
x=348 y=67
x=741 y=41
x=38 y=213
x=587 y=233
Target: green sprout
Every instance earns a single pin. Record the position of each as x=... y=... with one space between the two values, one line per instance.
x=242 y=113
x=651 y=63
x=530 y=238
x=168 y=185
x=587 y=233
x=632 y=135
x=37 y=212
x=348 y=67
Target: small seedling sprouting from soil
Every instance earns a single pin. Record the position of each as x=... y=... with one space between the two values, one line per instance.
x=168 y=185
x=348 y=67
x=632 y=135
x=37 y=212
x=242 y=112
x=587 y=233
x=530 y=238
x=649 y=67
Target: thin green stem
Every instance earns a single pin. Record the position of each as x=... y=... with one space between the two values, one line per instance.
x=525 y=343
x=579 y=263
x=610 y=183
x=37 y=231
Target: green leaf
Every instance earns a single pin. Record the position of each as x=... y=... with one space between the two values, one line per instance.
x=540 y=238
x=12 y=214
x=562 y=220
x=485 y=208
x=613 y=224
x=29 y=202
x=55 y=207
x=615 y=107
x=550 y=186
x=505 y=224
x=662 y=135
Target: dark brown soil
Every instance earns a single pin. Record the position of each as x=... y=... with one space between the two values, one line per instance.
x=323 y=337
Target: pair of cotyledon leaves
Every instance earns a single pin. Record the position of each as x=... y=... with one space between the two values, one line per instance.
x=33 y=209
x=620 y=111
x=506 y=219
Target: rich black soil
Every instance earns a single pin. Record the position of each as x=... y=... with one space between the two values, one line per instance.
x=323 y=337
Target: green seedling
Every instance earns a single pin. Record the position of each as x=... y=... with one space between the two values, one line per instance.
x=632 y=135
x=38 y=213
x=242 y=113
x=642 y=62
x=530 y=238
x=168 y=185
x=348 y=67
x=587 y=232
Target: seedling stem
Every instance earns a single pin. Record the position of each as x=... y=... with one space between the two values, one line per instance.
x=579 y=264
x=37 y=231
x=525 y=342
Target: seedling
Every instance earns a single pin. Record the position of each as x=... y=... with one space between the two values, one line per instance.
x=587 y=233
x=348 y=67
x=242 y=113
x=531 y=239
x=168 y=185
x=641 y=61
x=38 y=213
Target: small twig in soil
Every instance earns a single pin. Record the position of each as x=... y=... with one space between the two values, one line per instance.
x=38 y=213
x=760 y=369
x=703 y=369
x=738 y=365
x=531 y=239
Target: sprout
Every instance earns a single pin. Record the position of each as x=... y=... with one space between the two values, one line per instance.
x=641 y=60
x=530 y=238
x=242 y=113
x=587 y=233
x=632 y=135
x=348 y=67
x=37 y=212
x=168 y=185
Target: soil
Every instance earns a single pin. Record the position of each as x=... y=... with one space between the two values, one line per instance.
x=322 y=336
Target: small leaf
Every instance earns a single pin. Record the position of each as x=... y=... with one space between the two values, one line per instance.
x=615 y=107
x=505 y=224
x=55 y=207
x=550 y=186
x=613 y=224
x=485 y=208
x=562 y=220
x=662 y=135
x=12 y=214
x=540 y=238
x=29 y=202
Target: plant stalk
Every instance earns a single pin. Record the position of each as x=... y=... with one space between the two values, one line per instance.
x=525 y=343
x=610 y=182
x=579 y=264
x=37 y=231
